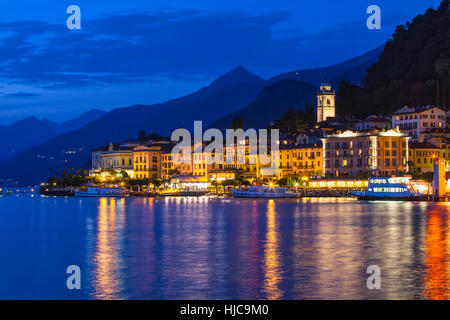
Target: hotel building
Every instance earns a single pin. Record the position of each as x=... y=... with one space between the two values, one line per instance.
x=147 y=162
x=300 y=160
x=416 y=120
x=117 y=157
x=358 y=154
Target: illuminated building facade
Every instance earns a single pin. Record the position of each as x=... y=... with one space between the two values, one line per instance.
x=417 y=120
x=358 y=154
x=117 y=157
x=300 y=160
x=422 y=155
x=147 y=162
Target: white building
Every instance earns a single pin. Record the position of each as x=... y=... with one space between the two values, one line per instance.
x=416 y=120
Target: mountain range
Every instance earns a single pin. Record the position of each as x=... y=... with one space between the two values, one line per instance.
x=237 y=93
x=352 y=70
x=31 y=131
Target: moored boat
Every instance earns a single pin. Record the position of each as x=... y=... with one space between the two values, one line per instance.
x=263 y=192
x=101 y=192
x=390 y=188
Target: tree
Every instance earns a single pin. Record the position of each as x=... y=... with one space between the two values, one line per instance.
x=294 y=122
x=413 y=69
x=142 y=138
x=155 y=136
x=238 y=123
x=215 y=184
x=156 y=182
x=283 y=182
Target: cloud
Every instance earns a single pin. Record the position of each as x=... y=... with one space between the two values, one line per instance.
x=135 y=47
x=21 y=94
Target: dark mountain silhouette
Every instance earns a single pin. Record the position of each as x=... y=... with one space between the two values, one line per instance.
x=352 y=70
x=82 y=120
x=23 y=134
x=230 y=92
x=272 y=102
x=31 y=131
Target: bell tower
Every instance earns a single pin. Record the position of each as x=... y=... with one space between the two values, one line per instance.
x=326 y=107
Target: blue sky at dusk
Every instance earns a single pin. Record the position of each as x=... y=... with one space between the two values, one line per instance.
x=140 y=51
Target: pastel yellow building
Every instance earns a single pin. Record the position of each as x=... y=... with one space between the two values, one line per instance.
x=422 y=155
x=117 y=157
x=168 y=165
x=300 y=161
x=147 y=162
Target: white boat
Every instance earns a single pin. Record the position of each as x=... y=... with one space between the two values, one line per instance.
x=101 y=192
x=390 y=188
x=263 y=192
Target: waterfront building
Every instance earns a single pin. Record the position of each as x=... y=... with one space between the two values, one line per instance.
x=147 y=162
x=189 y=183
x=168 y=165
x=222 y=175
x=422 y=155
x=237 y=157
x=360 y=154
x=117 y=157
x=96 y=157
x=326 y=107
x=300 y=160
x=417 y=120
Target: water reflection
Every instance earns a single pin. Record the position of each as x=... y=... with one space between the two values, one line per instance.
x=200 y=248
x=272 y=256
x=195 y=248
x=436 y=278
x=107 y=278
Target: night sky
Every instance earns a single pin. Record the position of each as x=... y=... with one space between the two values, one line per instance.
x=141 y=51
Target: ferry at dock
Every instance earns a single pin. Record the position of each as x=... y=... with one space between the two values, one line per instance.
x=390 y=188
x=263 y=192
x=101 y=192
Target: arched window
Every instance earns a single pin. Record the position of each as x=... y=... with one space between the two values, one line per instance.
x=328 y=101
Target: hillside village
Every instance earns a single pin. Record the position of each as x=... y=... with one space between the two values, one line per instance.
x=335 y=147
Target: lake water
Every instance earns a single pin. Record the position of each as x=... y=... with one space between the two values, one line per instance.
x=209 y=248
